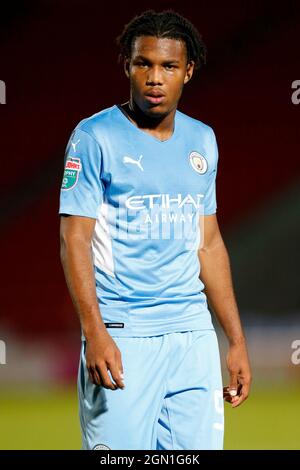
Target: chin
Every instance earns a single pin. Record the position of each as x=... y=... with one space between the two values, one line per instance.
x=157 y=110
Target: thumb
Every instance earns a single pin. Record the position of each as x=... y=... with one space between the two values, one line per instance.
x=233 y=384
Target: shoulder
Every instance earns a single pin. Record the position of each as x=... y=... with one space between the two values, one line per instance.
x=96 y=124
x=196 y=126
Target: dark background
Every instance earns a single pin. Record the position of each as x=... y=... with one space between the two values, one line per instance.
x=59 y=62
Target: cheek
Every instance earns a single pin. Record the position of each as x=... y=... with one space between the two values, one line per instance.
x=136 y=82
x=176 y=88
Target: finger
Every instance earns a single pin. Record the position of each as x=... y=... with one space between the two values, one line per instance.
x=236 y=401
x=92 y=379
x=246 y=387
x=120 y=366
x=94 y=376
x=106 y=381
x=121 y=370
x=115 y=372
x=233 y=383
x=228 y=399
x=226 y=392
x=243 y=394
x=91 y=376
x=97 y=377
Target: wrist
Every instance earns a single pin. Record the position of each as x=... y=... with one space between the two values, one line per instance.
x=239 y=340
x=93 y=329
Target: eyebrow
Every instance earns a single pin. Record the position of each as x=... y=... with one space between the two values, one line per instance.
x=141 y=57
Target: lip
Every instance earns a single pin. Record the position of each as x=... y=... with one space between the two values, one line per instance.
x=154 y=99
x=155 y=95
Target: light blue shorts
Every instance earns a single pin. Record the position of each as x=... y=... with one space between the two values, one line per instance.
x=172 y=397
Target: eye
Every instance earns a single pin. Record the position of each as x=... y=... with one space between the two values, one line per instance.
x=169 y=66
x=141 y=64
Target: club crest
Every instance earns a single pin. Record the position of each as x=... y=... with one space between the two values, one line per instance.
x=198 y=162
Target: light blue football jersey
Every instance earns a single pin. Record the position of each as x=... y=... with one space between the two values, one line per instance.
x=149 y=198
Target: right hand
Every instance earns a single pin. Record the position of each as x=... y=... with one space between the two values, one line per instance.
x=102 y=354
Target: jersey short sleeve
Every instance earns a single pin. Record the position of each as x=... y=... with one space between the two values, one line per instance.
x=81 y=191
x=210 y=200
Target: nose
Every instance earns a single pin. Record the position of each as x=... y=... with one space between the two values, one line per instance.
x=154 y=76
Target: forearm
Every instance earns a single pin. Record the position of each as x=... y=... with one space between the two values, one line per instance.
x=79 y=274
x=216 y=275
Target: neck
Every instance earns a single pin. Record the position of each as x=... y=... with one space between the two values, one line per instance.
x=161 y=126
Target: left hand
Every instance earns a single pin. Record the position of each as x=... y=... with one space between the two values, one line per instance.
x=240 y=374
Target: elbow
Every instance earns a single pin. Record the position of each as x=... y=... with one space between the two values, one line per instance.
x=214 y=246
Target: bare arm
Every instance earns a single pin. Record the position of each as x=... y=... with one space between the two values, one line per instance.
x=216 y=275
x=102 y=353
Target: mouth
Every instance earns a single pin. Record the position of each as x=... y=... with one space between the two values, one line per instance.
x=154 y=99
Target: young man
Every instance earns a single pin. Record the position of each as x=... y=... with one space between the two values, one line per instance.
x=138 y=219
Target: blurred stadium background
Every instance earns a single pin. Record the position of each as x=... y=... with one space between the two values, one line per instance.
x=59 y=63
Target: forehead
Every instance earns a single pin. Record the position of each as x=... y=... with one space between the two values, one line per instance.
x=153 y=47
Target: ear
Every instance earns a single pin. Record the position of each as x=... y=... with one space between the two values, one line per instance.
x=126 y=66
x=189 y=71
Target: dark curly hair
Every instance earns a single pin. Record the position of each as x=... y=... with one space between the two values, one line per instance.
x=165 y=24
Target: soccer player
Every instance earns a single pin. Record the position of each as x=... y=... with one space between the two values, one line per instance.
x=142 y=253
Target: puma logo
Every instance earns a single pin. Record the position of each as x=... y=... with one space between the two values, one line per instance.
x=74 y=144
x=127 y=159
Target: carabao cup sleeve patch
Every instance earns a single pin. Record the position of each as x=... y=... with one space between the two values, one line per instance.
x=82 y=189
x=71 y=173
